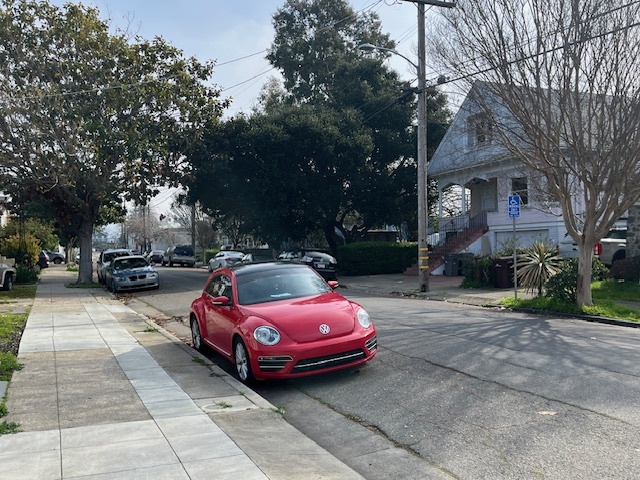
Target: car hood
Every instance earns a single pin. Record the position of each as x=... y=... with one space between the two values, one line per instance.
x=300 y=319
x=134 y=271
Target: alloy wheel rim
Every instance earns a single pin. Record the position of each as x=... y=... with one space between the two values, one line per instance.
x=241 y=362
x=195 y=334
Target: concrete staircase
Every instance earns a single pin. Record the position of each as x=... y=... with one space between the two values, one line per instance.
x=453 y=244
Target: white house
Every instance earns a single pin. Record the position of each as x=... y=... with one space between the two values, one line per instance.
x=4 y=213
x=470 y=158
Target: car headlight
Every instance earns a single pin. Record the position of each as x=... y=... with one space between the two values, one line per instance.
x=118 y=278
x=152 y=275
x=363 y=318
x=266 y=335
x=306 y=259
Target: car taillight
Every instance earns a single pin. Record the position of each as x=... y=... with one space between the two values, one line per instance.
x=597 y=249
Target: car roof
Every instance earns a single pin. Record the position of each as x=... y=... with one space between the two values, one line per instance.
x=116 y=250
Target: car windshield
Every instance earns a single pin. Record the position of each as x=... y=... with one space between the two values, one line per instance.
x=125 y=263
x=270 y=286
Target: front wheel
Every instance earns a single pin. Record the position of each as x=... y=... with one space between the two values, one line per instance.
x=57 y=261
x=112 y=286
x=243 y=365
x=8 y=282
x=196 y=336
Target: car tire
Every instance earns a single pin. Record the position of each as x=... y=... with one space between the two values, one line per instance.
x=112 y=287
x=57 y=261
x=7 y=285
x=196 y=335
x=242 y=362
x=170 y=263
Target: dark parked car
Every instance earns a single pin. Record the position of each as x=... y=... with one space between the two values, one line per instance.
x=43 y=259
x=321 y=262
x=280 y=320
x=130 y=273
x=179 y=254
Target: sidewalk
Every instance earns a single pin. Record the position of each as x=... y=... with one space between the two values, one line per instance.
x=440 y=288
x=104 y=393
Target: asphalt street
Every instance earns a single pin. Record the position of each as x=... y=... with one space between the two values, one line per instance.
x=459 y=391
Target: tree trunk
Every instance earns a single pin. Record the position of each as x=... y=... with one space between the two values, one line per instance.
x=583 y=292
x=85 y=272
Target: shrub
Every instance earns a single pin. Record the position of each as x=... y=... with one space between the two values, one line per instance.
x=8 y=364
x=627 y=269
x=478 y=272
x=26 y=274
x=371 y=258
x=536 y=266
x=17 y=247
x=564 y=284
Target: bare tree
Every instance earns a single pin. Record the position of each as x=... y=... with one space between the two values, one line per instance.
x=192 y=218
x=567 y=74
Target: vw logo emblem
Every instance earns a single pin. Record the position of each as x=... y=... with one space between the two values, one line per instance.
x=324 y=329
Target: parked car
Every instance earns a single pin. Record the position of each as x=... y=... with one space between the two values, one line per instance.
x=7 y=276
x=265 y=256
x=612 y=247
x=155 y=256
x=130 y=273
x=280 y=320
x=321 y=262
x=55 y=257
x=224 y=259
x=179 y=254
x=43 y=259
x=105 y=258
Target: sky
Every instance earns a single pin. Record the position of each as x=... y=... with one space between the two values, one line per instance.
x=236 y=34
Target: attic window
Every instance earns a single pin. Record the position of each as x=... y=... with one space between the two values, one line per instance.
x=519 y=187
x=480 y=130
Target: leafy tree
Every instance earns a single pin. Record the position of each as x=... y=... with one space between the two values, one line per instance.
x=331 y=151
x=89 y=117
x=566 y=71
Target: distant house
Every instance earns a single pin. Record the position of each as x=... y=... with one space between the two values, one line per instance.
x=486 y=174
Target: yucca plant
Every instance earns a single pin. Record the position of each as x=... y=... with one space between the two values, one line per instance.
x=536 y=265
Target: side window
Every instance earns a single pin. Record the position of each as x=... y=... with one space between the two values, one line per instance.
x=220 y=286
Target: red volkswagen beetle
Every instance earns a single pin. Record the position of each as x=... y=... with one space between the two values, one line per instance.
x=280 y=320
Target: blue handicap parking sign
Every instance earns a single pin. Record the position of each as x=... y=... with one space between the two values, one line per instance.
x=514 y=206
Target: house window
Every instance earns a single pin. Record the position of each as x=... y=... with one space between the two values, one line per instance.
x=480 y=130
x=519 y=187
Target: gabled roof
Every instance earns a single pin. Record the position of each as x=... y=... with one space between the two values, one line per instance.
x=454 y=152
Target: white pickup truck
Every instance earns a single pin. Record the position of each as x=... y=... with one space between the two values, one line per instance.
x=612 y=247
x=7 y=276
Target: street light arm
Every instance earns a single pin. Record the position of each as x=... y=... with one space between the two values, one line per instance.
x=368 y=47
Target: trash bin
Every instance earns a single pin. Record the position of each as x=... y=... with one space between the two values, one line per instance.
x=451 y=264
x=504 y=273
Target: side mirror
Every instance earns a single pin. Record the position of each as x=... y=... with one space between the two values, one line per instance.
x=221 y=301
x=333 y=284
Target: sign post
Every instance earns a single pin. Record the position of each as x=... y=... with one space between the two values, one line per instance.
x=514 y=212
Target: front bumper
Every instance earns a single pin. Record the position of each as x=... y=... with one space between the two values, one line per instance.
x=301 y=360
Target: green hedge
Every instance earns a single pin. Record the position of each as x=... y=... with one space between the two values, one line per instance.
x=374 y=258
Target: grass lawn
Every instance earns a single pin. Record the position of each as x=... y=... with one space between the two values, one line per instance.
x=607 y=296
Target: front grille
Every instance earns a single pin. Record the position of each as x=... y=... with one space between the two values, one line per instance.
x=273 y=364
x=133 y=278
x=372 y=344
x=328 y=361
